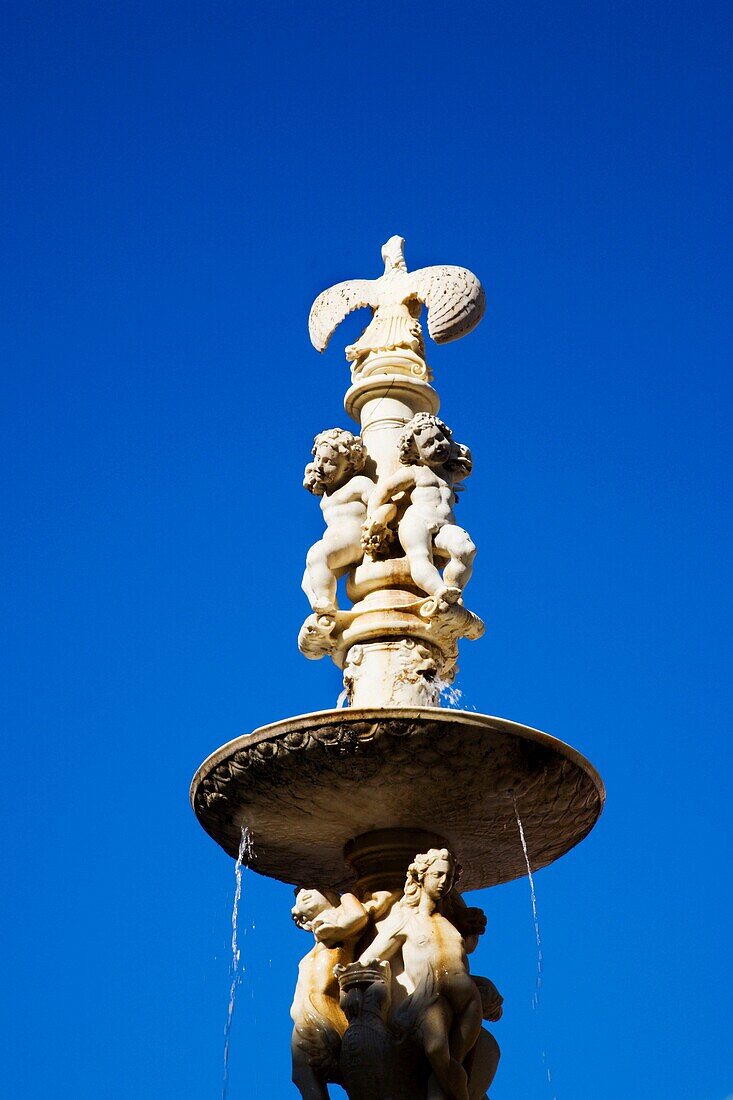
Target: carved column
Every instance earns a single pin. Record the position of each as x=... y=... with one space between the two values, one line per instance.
x=387 y=391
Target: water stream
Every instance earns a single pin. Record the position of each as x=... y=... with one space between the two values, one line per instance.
x=450 y=696
x=538 y=938
x=533 y=895
x=244 y=858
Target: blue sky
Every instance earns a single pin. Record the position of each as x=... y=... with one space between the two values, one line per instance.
x=180 y=181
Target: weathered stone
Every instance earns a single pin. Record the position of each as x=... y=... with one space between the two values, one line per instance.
x=315 y=782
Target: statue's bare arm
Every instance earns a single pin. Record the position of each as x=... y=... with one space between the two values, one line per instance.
x=468 y=919
x=337 y=925
x=365 y=486
x=387 y=943
x=380 y=901
x=387 y=489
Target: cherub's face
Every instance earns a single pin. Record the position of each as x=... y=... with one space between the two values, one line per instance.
x=433 y=446
x=330 y=464
x=438 y=879
x=308 y=904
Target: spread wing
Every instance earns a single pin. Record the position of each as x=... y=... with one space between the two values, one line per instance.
x=454 y=297
x=330 y=308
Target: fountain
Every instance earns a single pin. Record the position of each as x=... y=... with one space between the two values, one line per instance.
x=383 y=811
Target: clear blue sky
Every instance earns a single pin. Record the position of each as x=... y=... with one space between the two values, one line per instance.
x=180 y=181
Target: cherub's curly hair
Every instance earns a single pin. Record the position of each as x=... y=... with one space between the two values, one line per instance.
x=406 y=443
x=345 y=443
x=418 y=869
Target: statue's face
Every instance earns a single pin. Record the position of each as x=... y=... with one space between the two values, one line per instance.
x=308 y=904
x=438 y=879
x=330 y=464
x=432 y=444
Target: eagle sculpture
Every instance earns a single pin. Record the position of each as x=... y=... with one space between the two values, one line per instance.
x=454 y=297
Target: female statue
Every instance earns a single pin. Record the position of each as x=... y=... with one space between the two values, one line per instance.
x=442 y=1005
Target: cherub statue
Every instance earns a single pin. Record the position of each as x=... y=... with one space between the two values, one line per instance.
x=318 y=1020
x=336 y=476
x=432 y=467
x=442 y=1006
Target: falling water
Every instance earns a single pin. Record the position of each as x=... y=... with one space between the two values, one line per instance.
x=244 y=858
x=343 y=700
x=538 y=938
x=538 y=982
x=450 y=696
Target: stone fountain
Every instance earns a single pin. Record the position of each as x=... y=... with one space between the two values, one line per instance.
x=383 y=812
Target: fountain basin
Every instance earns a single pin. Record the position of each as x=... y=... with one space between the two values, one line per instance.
x=309 y=785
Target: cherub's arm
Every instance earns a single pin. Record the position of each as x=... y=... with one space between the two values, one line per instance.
x=379 y=517
x=336 y=925
x=468 y=919
x=355 y=488
x=386 y=489
x=380 y=901
x=387 y=943
x=491 y=998
x=363 y=487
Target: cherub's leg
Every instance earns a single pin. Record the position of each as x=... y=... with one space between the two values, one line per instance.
x=481 y=1065
x=416 y=540
x=448 y=1080
x=455 y=542
x=466 y=1028
x=319 y=583
x=308 y=587
x=323 y=561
